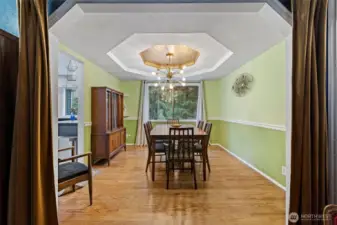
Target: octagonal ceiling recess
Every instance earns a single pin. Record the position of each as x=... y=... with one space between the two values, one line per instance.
x=158 y=56
x=212 y=53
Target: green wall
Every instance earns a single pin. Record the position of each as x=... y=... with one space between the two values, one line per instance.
x=132 y=91
x=263 y=148
x=265 y=103
x=94 y=76
x=212 y=94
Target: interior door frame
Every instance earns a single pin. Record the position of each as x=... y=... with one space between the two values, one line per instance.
x=80 y=114
x=332 y=100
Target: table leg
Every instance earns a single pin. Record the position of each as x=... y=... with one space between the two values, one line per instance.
x=153 y=157
x=204 y=149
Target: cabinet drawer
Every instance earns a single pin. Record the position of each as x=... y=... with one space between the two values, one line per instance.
x=114 y=141
x=118 y=139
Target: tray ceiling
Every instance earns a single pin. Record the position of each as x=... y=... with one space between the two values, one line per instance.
x=227 y=35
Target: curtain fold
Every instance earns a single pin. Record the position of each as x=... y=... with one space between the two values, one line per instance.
x=308 y=188
x=201 y=109
x=140 y=137
x=204 y=112
x=32 y=188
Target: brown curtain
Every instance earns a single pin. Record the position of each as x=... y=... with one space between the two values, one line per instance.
x=308 y=189
x=32 y=188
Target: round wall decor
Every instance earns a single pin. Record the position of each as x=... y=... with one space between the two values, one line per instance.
x=242 y=84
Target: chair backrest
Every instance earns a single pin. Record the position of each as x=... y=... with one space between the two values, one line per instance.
x=172 y=121
x=181 y=144
x=149 y=123
x=208 y=129
x=200 y=124
x=147 y=134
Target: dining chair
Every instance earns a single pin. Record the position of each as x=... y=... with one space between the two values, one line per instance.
x=200 y=124
x=159 y=147
x=172 y=121
x=199 y=146
x=150 y=125
x=180 y=153
x=71 y=173
x=330 y=215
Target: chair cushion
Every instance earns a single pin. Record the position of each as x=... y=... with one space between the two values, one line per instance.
x=160 y=147
x=198 y=147
x=70 y=170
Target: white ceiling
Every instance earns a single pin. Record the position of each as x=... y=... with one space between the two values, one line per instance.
x=215 y=29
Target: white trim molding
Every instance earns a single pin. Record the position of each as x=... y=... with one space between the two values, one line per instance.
x=88 y=124
x=251 y=123
x=214 y=118
x=253 y=167
x=258 y=124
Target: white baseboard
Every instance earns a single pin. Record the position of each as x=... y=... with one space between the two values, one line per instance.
x=254 y=168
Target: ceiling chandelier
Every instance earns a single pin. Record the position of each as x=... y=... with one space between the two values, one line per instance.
x=169 y=62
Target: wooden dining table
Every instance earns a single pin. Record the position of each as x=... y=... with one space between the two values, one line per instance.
x=162 y=132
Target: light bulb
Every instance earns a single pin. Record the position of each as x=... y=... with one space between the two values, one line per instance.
x=183 y=78
x=181 y=71
x=163 y=88
x=184 y=84
x=171 y=86
x=153 y=73
x=156 y=84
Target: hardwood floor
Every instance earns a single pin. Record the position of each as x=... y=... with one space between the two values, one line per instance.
x=125 y=195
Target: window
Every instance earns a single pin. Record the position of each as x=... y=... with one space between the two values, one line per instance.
x=71 y=102
x=181 y=103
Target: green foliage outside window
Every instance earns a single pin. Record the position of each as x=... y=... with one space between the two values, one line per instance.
x=180 y=103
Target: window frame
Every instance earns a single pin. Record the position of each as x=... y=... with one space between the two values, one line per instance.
x=72 y=90
x=146 y=103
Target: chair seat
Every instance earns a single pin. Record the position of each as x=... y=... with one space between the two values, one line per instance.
x=160 y=148
x=67 y=171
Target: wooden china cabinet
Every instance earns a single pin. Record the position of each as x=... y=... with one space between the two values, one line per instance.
x=108 y=133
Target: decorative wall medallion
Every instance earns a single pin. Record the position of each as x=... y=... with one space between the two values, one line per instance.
x=242 y=84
